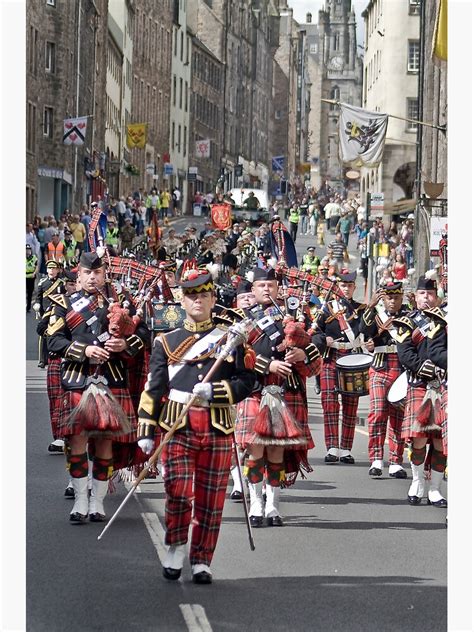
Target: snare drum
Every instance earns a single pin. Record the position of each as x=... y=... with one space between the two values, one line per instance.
x=397 y=393
x=353 y=374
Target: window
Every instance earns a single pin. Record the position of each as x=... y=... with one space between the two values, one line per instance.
x=185 y=140
x=180 y=93
x=336 y=41
x=48 y=122
x=412 y=113
x=50 y=57
x=181 y=46
x=172 y=135
x=175 y=52
x=51 y=3
x=413 y=56
x=186 y=96
x=174 y=89
x=179 y=139
x=313 y=49
x=33 y=50
x=413 y=7
x=31 y=128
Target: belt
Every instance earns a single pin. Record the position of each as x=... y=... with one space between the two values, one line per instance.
x=386 y=349
x=183 y=397
x=345 y=345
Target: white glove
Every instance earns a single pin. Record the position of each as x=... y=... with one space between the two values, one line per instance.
x=36 y=307
x=204 y=391
x=146 y=445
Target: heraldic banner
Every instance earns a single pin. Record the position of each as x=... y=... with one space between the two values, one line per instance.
x=136 y=135
x=361 y=136
x=75 y=130
x=221 y=216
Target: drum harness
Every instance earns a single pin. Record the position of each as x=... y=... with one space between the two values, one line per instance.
x=355 y=344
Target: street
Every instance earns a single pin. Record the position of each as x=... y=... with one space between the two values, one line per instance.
x=353 y=555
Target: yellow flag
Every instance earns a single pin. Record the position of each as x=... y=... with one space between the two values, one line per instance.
x=440 y=35
x=136 y=135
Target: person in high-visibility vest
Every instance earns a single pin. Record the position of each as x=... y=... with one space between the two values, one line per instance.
x=54 y=250
x=294 y=220
x=112 y=235
x=31 y=273
x=310 y=262
x=71 y=250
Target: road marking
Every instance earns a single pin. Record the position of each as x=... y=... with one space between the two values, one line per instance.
x=195 y=617
x=156 y=532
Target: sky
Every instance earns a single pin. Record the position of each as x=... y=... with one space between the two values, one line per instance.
x=302 y=7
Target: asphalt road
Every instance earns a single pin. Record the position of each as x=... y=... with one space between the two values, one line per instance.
x=352 y=556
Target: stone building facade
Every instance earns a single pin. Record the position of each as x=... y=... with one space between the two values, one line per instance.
x=65 y=70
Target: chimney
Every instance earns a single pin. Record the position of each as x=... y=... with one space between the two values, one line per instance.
x=309 y=18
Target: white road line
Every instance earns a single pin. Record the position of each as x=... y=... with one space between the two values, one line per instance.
x=195 y=617
x=157 y=533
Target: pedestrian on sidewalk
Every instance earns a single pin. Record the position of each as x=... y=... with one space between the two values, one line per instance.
x=32 y=269
x=293 y=221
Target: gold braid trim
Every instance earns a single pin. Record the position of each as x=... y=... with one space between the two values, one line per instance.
x=176 y=355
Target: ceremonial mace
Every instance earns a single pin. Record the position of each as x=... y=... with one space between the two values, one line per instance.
x=236 y=335
x=246 y=509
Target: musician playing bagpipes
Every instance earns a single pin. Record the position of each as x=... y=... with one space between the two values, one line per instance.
x=421 y=346
x=377 y=326
x=95 y=341
x=272 y=424
x=200 y=449
x=339 y=324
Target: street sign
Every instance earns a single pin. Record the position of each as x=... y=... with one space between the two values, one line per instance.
x=278 y=163
x=168 y=169
x=238 y=171
x=438 y=226
x=150 y=168
x=377 y=202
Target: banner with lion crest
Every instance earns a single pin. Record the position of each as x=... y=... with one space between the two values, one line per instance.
x=361 y=136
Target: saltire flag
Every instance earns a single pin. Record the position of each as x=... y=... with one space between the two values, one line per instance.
x=97 y=229
x=361 y=136
x=75 y=130
x=282 y=245
x=221 y=216
x=136 y=135
x=440 y=33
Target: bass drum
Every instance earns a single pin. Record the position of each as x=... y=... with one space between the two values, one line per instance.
x=353 y=374
x=397 y=393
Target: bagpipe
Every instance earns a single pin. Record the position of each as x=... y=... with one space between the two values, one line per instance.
x=443 y=254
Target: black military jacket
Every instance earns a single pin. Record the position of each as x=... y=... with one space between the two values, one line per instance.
x=420 y=353
x=370 y=327
x=46 y=288
x=79 y=321
x=328 y=324
x=231 y=383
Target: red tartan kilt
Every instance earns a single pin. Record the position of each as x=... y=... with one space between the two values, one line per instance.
x=444 y=422
x=415 y=395
x=247 y=411
x=137 y=376
x=70 y=399
x=55 y=391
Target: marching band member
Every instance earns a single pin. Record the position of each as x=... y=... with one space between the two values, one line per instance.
x=272 y=424
x=424 y=412
x=197 y=458
x=80 y=334
x=339 y=323
x=377 y=326
x=51 y=284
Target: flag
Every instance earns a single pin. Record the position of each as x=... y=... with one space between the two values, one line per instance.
x=97 y=229
x=221 y=216
x=75 y=130
x=361 y=136
x=136 y=135
x=440 y=33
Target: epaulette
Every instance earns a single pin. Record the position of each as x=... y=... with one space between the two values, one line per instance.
x=404 y=320
x=437 y=313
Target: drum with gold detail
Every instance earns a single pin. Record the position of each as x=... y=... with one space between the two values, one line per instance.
x=167 y=316
x=397 y=393
x=353 y=374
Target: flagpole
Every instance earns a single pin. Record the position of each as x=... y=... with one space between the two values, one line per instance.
x=78 y=69
x=442 y=128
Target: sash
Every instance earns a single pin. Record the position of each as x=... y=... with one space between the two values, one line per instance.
x=336 y=309
x=382 y=314
x=212 y=338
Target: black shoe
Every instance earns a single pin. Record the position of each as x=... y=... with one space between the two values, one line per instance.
x=256 y=521
x=399 y=474
x=55 y=449
x=375 y=471
x=443 y=503
x=237 y=497
x=78 y=518
x=97 y=517
x=414 y=500
x=275 y=521
x=330 y=458
x=69 y=492
x=171 y=573
x=202 y=578
x=41 y=365
x=349 y=460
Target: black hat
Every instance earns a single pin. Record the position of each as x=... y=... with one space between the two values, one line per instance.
x=426 y=284
x=52 y=264
x=394 y=288
x=347 y=277
x=195 y=280
x=259 y=274
x=310 y=248
x=230 y=261
x=70 y=275
x=90 y=260
x=28 y=246
x=244 y=287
